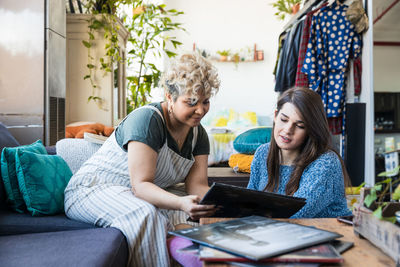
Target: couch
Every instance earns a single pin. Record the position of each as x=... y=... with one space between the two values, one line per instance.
x=55 y=240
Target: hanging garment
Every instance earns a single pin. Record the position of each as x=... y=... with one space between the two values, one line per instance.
x=100 y=193
x=332 y=40
x=287 y=65
x=281 y=41
x=301 y=78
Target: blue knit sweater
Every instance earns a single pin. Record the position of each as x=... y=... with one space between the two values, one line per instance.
x=321 y=184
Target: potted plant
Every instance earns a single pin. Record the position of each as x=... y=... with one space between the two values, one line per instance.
x=223 y=54
x=375 y=216
x=286 y=7
x=149 y=25
x=381 y=198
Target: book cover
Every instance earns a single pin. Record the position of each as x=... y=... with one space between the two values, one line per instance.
x=236 y=202
x=256 y=237
x=324 y=253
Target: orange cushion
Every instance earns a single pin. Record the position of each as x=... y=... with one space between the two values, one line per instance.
x=240 y=162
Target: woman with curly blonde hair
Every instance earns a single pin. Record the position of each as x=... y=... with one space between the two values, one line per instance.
x=130 y=183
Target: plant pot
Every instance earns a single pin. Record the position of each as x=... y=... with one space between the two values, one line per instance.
x=295 y=8
x=223 y=58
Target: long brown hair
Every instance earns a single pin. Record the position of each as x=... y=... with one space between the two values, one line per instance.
x=317 y=142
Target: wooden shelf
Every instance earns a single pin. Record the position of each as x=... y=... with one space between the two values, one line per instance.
x=231 y=61
x=382 y=131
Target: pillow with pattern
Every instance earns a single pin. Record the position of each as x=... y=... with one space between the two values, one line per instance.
x=42 y=180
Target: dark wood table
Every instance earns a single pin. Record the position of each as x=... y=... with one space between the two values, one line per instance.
x=226 y=175
x=363 y=254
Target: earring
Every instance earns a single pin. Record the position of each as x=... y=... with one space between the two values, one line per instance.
x=170 y=108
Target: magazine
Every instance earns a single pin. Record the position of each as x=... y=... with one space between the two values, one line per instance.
x=256 y=237
x=236 y=202
x=324 y=253
x=257 y=264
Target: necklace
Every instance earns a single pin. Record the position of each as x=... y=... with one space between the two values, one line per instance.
x=178 y=136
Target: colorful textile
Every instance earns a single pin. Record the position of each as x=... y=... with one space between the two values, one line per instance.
x=332 y=41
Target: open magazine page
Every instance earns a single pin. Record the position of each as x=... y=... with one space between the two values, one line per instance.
x=256 y=237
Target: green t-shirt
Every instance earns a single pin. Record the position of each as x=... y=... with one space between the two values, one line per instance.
x=146 y=126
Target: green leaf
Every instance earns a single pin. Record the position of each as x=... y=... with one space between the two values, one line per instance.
x=369 y=199
x=86 y=77
x=90 y=66
x=396 y=194
x=175 y=43
x=86 y=44
x=378 y=187
x=390 y=173
x=96 y=24
x=378 y=213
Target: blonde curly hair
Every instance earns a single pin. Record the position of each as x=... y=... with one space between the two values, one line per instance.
x=191 y=74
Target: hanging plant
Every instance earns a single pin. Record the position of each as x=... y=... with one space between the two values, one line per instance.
x=149 y=25
x=105 y=22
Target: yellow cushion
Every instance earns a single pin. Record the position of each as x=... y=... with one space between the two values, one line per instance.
x=240 y=162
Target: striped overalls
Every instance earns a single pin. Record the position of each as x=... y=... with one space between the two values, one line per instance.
x=100 y=193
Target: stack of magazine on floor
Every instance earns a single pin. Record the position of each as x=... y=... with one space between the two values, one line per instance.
x=259 y=239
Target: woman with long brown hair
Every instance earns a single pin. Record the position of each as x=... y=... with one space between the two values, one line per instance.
x=299 y=160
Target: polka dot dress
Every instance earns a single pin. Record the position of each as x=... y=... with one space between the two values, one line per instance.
x=332 y=40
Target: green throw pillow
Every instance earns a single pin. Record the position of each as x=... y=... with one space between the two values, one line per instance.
x=250 y=140
x=42 y=180
x=14 y=197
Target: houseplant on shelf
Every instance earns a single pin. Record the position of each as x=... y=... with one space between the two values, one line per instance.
x=223 y=54
x=286 y=7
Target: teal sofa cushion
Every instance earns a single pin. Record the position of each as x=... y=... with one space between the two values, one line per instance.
x=42 y=180
x=248 y=141
x=8 y=172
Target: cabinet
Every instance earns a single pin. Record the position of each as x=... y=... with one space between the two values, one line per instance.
x=387 y=112
x=111 y=85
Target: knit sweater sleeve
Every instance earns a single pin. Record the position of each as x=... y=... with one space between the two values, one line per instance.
x=258 y=170
x=321 y=183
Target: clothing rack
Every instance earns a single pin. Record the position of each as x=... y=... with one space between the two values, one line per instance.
x=306 y=8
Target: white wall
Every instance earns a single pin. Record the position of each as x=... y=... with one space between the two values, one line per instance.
x=386 y=69
x=234 y=24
